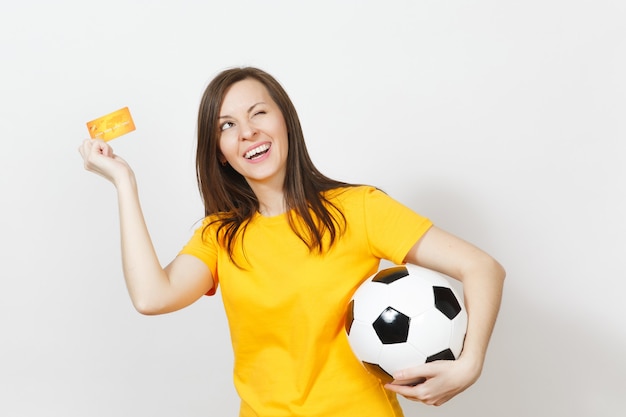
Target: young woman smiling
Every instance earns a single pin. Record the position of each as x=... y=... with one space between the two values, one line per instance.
x=288 y=247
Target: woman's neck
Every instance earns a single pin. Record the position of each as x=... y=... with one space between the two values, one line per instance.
x=271 y=200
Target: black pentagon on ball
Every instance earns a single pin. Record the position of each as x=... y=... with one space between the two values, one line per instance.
x=446 y=302
x=389 y=275
x=392 y=326
x=378 y=372
x=444 y=355
x=349 y=317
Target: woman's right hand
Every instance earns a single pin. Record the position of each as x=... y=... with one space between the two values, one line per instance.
x=99 y=158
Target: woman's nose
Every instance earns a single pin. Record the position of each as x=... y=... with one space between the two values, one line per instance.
x=247 y=131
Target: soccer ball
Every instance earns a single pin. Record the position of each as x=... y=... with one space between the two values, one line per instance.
x=405 y=316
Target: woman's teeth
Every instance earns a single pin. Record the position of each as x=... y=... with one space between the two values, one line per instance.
x=257 y=151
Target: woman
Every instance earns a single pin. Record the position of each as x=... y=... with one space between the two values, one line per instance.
x=289 y=246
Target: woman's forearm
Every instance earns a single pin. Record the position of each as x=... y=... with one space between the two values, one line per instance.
x=483 y=292
x=145 y=278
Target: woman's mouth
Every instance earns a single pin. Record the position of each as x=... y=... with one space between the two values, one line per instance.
x=257 y=152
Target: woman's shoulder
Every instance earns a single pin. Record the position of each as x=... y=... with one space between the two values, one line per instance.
x=350 y=192
x=212 y=220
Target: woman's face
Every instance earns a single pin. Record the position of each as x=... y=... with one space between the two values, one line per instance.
x=253 y=134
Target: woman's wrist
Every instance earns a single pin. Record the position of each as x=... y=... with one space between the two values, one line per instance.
x=126 y=182
x=473 y=361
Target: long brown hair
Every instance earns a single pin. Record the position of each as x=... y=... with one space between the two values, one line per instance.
x=226 y=193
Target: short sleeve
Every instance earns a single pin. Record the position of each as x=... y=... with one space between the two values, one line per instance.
x=203 y=245
x=392 y=227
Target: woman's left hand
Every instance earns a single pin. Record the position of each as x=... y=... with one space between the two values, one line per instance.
x=437 y=382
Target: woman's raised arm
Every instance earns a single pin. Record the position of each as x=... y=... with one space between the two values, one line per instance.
x=152 y=288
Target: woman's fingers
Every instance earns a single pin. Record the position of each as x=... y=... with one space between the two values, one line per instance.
x=98 y=157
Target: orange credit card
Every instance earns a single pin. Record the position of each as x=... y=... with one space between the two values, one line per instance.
x=112 y=125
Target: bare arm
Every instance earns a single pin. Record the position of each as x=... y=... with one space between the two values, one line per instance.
x=152 y=288
x=482 y=278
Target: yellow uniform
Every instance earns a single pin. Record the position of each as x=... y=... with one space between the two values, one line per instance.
x=286 y=307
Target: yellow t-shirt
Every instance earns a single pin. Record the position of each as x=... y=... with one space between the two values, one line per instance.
x=286 y=308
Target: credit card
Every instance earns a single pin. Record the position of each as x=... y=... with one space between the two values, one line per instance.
x=111 y=125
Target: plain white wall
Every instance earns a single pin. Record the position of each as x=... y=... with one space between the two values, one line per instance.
x=502 y=121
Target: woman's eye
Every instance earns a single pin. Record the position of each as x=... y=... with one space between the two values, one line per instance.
x=259 y=112
x=226 y=125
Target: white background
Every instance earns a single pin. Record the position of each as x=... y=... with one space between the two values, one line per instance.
x=502 y=121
